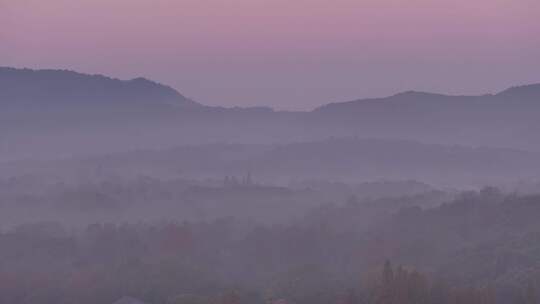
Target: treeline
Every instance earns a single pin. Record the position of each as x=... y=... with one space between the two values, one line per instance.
x=397 y=285
x=480 y=248
x=83 y=201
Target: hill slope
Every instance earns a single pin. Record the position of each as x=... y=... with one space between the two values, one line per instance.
x=63 y=113
x=21 y=88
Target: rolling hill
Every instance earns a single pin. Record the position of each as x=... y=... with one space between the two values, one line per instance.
x=79 y=113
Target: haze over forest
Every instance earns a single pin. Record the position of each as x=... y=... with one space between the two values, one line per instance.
x=269 y=152
x=98 y=172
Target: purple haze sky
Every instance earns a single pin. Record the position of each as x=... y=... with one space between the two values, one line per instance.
x=290 y=54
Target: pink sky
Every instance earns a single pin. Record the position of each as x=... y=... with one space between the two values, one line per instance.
x=290 y=54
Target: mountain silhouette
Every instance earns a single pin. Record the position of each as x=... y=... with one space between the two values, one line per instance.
x=21 y=88
x=526 y=93
x=65 y=88
x=95 y=114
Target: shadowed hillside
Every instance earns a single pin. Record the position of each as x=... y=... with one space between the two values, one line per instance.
x=45 y=89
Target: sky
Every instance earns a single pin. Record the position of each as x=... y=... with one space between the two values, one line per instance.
x=288 y=54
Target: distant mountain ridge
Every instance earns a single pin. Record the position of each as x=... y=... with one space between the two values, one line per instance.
x=63 y=88
x=97 y=114
x=529 y=92
x=346 y=159
x=525 y=93
x=508 y=118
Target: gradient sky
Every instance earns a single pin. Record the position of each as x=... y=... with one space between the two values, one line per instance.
x=289 y=54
